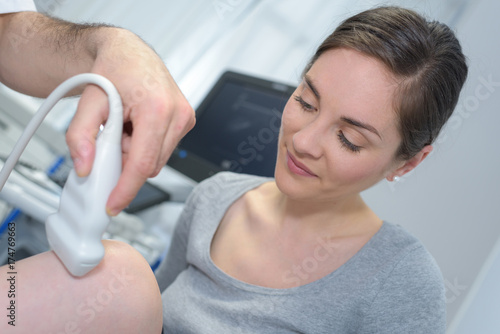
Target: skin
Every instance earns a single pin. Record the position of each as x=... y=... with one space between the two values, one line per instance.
x=120 y=295
x=37 y=53
x=266 y=234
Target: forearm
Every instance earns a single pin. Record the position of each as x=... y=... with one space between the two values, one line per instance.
x=37 y=52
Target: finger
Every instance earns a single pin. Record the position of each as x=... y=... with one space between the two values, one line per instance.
x=140 y=162
x=126 y=143
x=125 y=191
x=91 y=113
x=182 y=123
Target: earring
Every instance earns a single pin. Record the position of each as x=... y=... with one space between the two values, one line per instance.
x=396 y=179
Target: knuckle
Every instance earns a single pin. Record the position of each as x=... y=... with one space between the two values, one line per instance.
x=158 y=108
x=159 y=111
x=178 y=111
x=186 y=117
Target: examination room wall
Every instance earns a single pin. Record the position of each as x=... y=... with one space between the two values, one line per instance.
x=450 y=202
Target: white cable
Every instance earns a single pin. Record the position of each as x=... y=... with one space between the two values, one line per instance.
x=112 y=131
x=19 y=188
x=74 y=232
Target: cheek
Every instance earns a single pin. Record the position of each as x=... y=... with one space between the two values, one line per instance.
x=352 y=169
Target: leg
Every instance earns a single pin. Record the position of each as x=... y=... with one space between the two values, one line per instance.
x=120 y=295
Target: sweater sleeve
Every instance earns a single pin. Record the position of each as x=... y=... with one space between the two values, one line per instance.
x=410 y=300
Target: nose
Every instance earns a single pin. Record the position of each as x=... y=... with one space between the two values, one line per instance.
x=307 y=140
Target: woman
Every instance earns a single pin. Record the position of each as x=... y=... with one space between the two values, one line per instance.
x=302 y=253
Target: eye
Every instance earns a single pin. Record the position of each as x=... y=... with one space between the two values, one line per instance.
x=347 y=144
x=303 y=104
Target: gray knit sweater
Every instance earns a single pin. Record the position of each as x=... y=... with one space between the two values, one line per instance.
x=392 y=285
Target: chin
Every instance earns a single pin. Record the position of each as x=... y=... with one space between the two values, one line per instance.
x=288 y=184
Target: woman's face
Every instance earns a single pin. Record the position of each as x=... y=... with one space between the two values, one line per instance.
x=339 y=130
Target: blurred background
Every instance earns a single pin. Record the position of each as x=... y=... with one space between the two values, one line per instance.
x=450 y=202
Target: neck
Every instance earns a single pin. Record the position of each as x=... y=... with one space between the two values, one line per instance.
x=337 y=217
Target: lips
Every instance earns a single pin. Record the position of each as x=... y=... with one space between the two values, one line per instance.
x=297 y=167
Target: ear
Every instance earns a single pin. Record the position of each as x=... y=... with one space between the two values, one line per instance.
x=410 y=164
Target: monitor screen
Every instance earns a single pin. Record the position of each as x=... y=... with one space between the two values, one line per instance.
x=237 y=127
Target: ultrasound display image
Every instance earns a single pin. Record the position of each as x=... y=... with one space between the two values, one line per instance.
x=236 y=130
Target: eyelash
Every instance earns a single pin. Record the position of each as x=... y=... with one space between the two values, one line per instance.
x=347 y=144
x=305 y=106
x=343 y=140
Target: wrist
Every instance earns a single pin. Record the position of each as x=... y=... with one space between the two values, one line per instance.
x=108 y=39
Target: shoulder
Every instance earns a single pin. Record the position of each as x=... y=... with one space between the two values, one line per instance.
x=215 y=194
x=409 y=286
x=407 y=253
x=231 y=179
x=226 y=185
x=405 y=261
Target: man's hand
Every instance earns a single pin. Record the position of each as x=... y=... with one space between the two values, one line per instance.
x=156 y=114
x=37 y=53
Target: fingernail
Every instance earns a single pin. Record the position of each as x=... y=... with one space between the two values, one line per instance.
x=112 y=212
x=77 y=164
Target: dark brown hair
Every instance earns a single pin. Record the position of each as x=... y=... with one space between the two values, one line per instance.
x=424 y=56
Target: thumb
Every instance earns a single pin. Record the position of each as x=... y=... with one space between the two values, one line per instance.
x=92 y=111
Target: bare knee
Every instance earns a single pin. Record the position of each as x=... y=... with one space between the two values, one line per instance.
x=120 y=295
x=131 y=280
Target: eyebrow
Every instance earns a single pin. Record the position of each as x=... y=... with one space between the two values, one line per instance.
x=313 y=88
x=361 y=125
x=348 y=120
